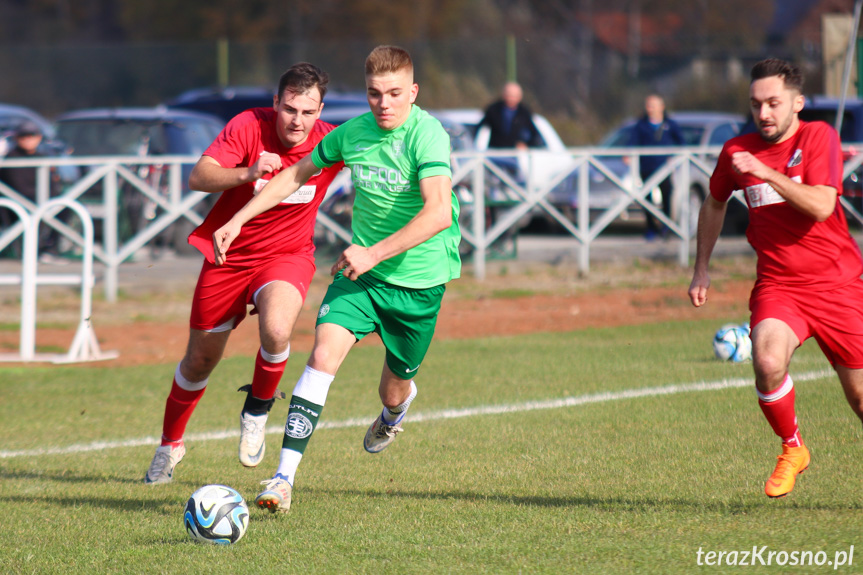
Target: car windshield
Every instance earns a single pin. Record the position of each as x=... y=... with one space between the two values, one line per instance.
x=111 y=137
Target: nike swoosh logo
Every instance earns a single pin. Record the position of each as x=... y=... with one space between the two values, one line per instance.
x=410 y=370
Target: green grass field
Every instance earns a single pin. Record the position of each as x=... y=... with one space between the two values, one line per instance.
x=497 y=472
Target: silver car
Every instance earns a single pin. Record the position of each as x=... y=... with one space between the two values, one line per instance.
x=700 y=129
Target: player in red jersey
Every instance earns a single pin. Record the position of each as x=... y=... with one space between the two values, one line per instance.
x=270 y=267
x=808 y=273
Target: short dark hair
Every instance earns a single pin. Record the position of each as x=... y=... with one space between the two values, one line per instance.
x=302 y=77
x=790 y=74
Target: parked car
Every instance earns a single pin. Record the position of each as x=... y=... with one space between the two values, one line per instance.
x=702 y=129
x=12 y=116
x=143 y=132
x=229 y=101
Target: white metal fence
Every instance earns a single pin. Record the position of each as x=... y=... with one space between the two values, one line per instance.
x=498 y=191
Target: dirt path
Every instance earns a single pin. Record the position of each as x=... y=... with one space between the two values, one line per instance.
x=149 y=327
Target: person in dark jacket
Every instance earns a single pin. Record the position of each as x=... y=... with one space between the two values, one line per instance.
x=655 y=128
x=510 y=121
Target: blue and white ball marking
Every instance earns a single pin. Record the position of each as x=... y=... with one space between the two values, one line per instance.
x=732 y=343
x=216 y=514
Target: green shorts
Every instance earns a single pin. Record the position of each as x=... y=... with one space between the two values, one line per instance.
x=405 y=318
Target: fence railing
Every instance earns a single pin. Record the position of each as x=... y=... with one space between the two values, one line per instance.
x=134 y=200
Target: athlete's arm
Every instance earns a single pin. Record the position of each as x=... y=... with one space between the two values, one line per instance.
x=710 y=220
x=208 y=175
x=280 y=187
x=434 y=217
x=818 y=202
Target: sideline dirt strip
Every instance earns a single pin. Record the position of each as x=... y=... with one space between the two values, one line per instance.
x=435 y=415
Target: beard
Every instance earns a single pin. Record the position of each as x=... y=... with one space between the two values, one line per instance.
x=781 y=129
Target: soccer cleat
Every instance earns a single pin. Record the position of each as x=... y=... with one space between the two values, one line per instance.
x=276 y=497
x=793 y=461
x=252 y=445
x=380 y=435
x=164 y=461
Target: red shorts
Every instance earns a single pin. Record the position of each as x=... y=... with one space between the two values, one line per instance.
x=223 y=292
x=834 y=317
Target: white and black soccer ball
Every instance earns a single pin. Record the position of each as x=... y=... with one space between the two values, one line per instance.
x=732 y=343
x=216 y=514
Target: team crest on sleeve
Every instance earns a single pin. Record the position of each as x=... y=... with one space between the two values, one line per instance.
x=398 y=147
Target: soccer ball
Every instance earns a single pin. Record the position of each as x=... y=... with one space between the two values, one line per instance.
x=732 y=343
x=216 y=514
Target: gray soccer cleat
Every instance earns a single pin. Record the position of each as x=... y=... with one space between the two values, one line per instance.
x=164 y=461
x=380 y=435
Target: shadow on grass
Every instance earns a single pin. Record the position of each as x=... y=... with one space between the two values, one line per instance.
x=67 y=477
x=639 y=505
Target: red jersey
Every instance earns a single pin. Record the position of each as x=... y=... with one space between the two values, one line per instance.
x=285 y=228
x=793 y=249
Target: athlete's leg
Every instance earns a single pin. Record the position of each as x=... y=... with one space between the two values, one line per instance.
x=396 y=394
x=203 y=353
x=279 y=304
x=332 y=344
x=852 y=384
x=773 y=344
x=393 y=390
x=190 y=381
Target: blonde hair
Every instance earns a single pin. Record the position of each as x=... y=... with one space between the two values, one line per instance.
x=388 y=60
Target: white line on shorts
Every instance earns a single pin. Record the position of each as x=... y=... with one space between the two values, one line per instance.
x=434 y=415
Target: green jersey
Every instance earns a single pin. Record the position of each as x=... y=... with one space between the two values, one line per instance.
x=386 y=169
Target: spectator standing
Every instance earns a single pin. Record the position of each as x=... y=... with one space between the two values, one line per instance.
x=27 y=139
x=655 y=128
x=510 y=121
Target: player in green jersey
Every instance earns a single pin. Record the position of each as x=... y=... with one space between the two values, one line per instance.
x=391 y=279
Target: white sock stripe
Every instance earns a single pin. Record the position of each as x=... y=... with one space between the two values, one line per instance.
x=313 y=386
x=277 y=358
x=404 y=406
x=784 y=389
x=184 y=383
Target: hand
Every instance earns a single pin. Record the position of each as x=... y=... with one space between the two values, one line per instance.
x=746 y=163
x=267 y=163
x=698 y=289
x=354 y=262
x=222 y=239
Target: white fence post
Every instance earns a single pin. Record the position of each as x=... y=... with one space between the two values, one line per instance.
x=84 y=346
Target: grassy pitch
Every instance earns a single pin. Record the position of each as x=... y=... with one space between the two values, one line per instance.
x=590 y=452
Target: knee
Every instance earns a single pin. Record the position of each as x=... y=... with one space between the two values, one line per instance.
x=276 y=339
x=769 y=368
x=199 y=364
x=324 y=358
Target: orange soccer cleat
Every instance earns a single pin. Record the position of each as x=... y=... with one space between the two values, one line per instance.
x=793 y=461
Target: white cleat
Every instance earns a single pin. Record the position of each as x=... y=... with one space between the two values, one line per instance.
x=276 y=497
x=380 y=435
x=252 y=433
x=164 y=461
